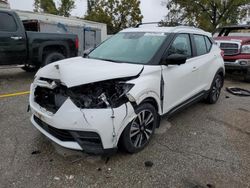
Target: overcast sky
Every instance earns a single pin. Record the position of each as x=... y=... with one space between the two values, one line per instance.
x=152 y=10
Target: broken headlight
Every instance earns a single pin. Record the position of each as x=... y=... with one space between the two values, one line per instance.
x=101 y=94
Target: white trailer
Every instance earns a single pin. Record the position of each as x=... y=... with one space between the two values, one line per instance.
x=90 y=34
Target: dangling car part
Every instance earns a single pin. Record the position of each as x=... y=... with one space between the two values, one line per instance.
x=238 y=91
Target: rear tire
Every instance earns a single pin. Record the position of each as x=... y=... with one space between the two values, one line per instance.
x=140 y=130
x=215 y=90
x=52 y=57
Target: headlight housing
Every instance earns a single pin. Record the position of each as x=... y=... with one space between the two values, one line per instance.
x=103 y=94
x=245 y=49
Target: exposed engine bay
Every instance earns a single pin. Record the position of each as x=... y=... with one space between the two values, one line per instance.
x=104 y=94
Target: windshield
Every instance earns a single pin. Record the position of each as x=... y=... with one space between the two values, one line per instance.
x=129 y=47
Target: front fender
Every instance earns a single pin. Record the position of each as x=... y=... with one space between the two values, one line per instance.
x=146 y=95
x=147 y=85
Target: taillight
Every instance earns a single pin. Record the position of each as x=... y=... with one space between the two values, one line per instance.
x=222 y=53
x=77 y=43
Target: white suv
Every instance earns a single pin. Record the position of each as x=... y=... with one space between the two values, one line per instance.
x=117 y=94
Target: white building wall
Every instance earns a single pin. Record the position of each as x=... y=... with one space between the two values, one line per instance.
x=70 y=21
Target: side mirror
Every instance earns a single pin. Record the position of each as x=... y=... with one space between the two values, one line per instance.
x=175 y=59
x=87 y=52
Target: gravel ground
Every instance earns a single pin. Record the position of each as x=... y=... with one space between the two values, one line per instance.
x=203 y=146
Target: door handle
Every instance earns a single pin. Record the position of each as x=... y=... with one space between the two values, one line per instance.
x=195 y=69
x=16 y=38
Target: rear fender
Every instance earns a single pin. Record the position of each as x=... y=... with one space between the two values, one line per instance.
x=52 y=43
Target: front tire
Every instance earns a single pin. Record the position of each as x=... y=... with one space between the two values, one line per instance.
x=140 y=130
x=215 y=90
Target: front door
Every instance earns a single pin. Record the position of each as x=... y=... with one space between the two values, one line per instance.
x=12 y=40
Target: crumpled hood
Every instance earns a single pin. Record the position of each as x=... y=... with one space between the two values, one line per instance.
x=78 y=71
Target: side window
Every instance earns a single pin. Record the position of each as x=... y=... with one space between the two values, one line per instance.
x=200 y=44
x=7 y=23
x=208 y=43
x=181 y=45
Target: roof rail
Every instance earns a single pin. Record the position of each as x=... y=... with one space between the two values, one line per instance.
x=177 y=26
x=187 y=26
x=146 y=23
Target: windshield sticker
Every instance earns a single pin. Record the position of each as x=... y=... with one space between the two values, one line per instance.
x=154 y=34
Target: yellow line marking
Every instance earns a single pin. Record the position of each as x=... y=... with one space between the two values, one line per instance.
x=14 y=94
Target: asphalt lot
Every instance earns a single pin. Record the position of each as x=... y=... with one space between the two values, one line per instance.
x=203 y=146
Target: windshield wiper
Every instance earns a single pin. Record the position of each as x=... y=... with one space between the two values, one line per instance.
x=110 y=60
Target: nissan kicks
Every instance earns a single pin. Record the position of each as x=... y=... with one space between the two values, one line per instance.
x=117 y=94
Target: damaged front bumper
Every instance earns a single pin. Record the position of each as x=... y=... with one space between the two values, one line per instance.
x=91 y=130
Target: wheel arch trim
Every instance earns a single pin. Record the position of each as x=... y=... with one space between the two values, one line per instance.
x=49 y=44
x=151 y=97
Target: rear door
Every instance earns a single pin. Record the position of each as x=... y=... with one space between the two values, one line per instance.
x=204 y=60
x=12 y=40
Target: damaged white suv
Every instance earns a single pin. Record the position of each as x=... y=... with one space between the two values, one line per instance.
x=117 y=94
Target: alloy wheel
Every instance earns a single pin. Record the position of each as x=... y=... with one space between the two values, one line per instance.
x=142 y=128
x=216 y=88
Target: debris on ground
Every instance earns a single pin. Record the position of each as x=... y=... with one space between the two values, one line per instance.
x=35 y=152
x=210 y=185
x=149 y=163
x=238 y=91
x=108 y=173
x=107 y=160
x=56 y=178
x=70 y=177
x=99 y=169
x=77 y=160
x=243 y=110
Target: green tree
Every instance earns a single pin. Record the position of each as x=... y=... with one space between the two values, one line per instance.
x=37 y=6
x=206 y=14
x=117 y=14
x=90 y=5
x=49 y=6
x=65 y=7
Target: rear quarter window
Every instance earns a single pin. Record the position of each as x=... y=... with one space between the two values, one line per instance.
x=7 y=23
x=208 y=44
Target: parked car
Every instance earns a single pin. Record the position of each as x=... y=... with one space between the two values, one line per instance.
x=235 y=42
x=31 y=49
x=117 y=94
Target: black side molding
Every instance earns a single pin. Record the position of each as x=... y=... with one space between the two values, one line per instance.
x=196 y=98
